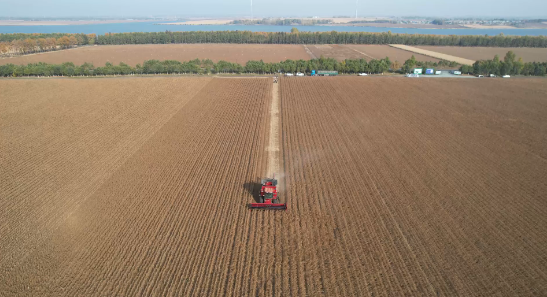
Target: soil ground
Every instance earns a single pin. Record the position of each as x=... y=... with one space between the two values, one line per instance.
x=139 y=186
x=488 y=53
x=137 y=54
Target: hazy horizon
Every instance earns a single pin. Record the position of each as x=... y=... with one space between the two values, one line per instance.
x=280 y=8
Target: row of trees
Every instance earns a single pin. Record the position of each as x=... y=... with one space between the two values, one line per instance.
x=42 y=43
x=8 y=37
x=510 y=65
x=196 y=67
x=332 y=37
x=295 y=37
x=412 y=63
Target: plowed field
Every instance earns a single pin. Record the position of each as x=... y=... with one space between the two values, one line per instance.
x=138 y=187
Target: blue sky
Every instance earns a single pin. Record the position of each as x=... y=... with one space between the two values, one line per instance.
x=263 y=8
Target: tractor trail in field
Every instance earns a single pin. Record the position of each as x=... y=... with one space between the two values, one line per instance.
x=362 y=53
x=273 y=142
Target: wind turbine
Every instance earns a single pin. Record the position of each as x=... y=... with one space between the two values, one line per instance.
x=356 y=6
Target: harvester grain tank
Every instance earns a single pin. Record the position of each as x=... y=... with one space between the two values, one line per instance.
x=268 y=198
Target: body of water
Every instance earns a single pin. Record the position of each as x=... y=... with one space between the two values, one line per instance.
x=152 y=27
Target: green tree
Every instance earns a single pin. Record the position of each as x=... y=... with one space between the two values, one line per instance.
x=409 y=65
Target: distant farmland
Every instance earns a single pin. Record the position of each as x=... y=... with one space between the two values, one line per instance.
x=137 y=54
x=488 y=53
x=415 y=50
x=394 y=54
x=368 y=52
x=241 y=53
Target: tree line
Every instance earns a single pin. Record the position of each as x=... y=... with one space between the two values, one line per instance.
x=197 y=66
x=332 y=37
x=510 y=65
x=411 y=64
x=18 y=44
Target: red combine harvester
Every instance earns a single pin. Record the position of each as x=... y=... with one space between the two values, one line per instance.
x=268 y=196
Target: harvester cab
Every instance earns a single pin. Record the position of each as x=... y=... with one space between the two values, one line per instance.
x=268 y=198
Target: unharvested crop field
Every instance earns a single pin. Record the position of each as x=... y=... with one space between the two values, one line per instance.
x=138 y=186
x=402 y=193
x=137 y=54
x=488 y=53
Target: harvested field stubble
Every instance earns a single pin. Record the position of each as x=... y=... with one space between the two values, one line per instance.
x=488 y=53
x=137 y=54
x=335 y=51
x=161 y=214
x=394 y=54
x=397 y=193
x=367 y=52
x=433 y=54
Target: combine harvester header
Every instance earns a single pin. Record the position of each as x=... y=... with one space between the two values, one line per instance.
x=268 y=196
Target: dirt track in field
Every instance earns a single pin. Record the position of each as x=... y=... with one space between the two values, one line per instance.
x=138 y=186
x=488 y=53
x=137 y=54
x=273 y=148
